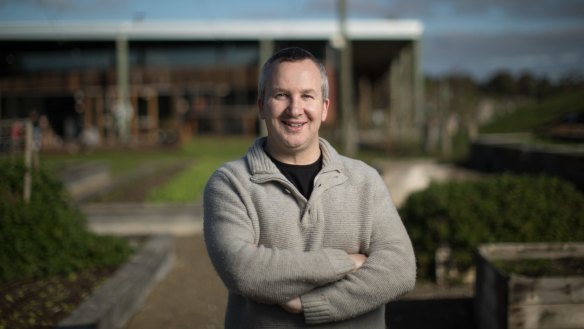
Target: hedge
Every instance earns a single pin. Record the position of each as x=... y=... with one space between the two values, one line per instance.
x=500 y=208
x=48 y=235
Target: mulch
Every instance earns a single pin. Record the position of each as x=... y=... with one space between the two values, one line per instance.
x=44 y=302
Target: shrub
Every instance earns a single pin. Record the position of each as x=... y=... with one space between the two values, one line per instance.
x=48 y=235
x=502 y=208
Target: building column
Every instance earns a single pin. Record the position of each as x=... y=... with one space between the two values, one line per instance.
x=349 y=125
x=266 y=51
x=392 y=117
x=123 y=108
x=419 y=92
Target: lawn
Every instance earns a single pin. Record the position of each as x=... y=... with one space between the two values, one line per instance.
x=532 y=117
x=205 y=153
x=209 y=154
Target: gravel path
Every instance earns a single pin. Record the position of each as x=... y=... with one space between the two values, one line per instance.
x=191 y=296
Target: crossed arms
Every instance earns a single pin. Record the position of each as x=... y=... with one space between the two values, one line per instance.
x=326 y=284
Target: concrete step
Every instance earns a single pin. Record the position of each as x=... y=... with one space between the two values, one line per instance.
x=144 y=219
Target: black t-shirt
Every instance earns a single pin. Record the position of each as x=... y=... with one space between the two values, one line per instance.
x=302 y=176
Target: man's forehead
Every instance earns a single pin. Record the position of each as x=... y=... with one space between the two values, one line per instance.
x=284 y=62
x=284 y=71
x=277 y=88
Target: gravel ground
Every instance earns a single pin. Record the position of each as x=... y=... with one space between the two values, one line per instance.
x=191 y=295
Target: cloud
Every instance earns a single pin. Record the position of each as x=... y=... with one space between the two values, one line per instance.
x=524 y=9
x=553 y=53
x=424 y=9
x=541 y=9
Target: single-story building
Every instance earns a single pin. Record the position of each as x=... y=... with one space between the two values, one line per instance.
x=149 y=82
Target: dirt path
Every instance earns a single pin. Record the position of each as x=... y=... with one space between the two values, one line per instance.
x=191 y=295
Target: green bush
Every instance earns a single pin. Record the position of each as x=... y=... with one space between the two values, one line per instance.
x=48 y=235
x=502 y=208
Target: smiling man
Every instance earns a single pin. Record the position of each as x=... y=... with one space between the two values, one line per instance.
x=299 y=234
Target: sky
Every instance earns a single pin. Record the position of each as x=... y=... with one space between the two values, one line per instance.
x=475 y=37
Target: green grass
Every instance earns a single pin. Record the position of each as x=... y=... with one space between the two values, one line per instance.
x=530 y=118
x=120 y=161
x=188 y=185
x=207 y=154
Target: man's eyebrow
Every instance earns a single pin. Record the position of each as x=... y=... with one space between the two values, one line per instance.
x=308 y=91
x=303 y=91
x=278 y=90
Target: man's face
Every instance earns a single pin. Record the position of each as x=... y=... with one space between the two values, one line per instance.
x=293 y=107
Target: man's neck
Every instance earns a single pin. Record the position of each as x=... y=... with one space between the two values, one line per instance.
x=294 y=157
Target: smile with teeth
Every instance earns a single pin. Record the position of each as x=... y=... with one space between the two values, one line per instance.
x=294 y=124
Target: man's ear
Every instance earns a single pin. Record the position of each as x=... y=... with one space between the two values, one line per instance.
x=325 y=107
x=260 y=102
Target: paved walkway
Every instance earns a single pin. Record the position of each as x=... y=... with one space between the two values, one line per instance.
x=191 y=296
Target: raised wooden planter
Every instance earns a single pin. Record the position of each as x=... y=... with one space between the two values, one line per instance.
x=515 y=300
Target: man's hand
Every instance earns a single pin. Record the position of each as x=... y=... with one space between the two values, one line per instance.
x=293 y=306
x=358 y=259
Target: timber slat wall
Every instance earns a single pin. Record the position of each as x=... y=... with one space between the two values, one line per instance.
x=514 y=301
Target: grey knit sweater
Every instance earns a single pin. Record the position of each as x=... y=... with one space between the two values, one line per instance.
x=269 y=244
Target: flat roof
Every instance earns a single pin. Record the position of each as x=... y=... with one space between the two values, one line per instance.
x=363 y=29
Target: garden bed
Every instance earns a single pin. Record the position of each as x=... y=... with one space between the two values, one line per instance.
x=535 y=285
x=96 y=298
x=44 y=302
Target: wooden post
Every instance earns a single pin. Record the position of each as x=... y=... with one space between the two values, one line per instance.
x=134 y=126
x=99 y=109
x=28 y=149
x=442 y=260
x=444 y=103
x=88 y=111
x=365 y=102
x=152 y=100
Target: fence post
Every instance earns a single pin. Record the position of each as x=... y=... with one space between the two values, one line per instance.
x=442 y=259
x=28 y=149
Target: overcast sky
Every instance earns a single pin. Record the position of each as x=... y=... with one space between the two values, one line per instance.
x=472 y=36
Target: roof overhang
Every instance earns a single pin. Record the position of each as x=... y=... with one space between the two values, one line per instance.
x=379 y=29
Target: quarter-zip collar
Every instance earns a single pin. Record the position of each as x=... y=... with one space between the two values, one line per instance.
x=263 y=170
x=261 y=165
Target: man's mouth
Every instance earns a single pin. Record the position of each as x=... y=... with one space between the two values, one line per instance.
x=294 y=124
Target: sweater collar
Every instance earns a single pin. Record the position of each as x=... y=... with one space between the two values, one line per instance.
x=259 y=162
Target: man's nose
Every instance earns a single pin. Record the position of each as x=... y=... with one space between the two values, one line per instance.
x=295 y=106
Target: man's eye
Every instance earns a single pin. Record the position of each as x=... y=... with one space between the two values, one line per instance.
x=280 y=95
x=307 y=96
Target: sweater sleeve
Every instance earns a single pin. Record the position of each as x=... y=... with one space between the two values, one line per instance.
x=388 y=273
x=265 y=275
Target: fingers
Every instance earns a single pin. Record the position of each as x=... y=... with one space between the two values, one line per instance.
x=358 y=259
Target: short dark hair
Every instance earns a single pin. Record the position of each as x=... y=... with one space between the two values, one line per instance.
x=292 y=54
